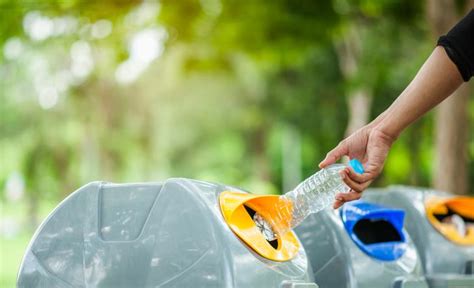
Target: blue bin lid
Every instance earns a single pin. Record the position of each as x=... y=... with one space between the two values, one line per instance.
x=388 y=249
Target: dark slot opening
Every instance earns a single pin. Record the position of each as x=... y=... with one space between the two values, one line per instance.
x=441 y=217
x=371 y=231
x=252 y=212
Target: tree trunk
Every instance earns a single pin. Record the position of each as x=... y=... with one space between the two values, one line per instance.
x=358 y=100
x=451 y=153
x=33 y=203
x=291 y=158
x=259 y=143
x=359 y=103
x=451 y=172
x=414 y=152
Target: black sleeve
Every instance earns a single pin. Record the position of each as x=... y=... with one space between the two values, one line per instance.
x=459 y=45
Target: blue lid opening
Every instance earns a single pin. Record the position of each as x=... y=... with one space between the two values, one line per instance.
x=377 y=230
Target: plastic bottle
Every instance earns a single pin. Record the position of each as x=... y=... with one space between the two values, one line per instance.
x=310 y=196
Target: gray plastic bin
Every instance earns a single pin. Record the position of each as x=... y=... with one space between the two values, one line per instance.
x=446 y=264
x=349 y=248
x=169 y=234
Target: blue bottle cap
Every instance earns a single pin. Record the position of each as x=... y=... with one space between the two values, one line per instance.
x=357 y=166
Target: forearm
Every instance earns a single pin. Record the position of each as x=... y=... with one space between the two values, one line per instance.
x=435 y=81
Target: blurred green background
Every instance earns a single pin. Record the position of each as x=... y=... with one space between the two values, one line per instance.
x=247 y=93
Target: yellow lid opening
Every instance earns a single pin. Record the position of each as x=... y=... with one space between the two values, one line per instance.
x=235 y=209
x=442 y=211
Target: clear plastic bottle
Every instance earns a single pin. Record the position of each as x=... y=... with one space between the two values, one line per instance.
x=310 y=196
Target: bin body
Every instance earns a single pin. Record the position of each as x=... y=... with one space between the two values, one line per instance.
x=445 y=263
x=337 y=261
x=169 y=234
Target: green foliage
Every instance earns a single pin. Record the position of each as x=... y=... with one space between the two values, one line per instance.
x=230 y=72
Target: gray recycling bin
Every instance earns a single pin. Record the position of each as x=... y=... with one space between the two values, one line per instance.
x=361 y=245
x=169 y=234
x=447 y=257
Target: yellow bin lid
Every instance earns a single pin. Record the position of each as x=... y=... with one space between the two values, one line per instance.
x=233 y=209
x=439 y=210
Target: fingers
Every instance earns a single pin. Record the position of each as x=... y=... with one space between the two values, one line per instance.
x=348 y=176
x=337 y=204
x=334 y=155
x=356 y=186
x=342 y=198
x=361 y=178
x=353 y=184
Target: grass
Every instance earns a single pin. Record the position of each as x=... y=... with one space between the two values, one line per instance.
x=13 y=247
x=12 y=250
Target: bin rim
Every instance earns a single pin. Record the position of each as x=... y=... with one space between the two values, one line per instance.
x=353 y=212
x=457 y=205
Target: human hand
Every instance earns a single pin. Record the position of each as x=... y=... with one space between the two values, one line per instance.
x=370 y=146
